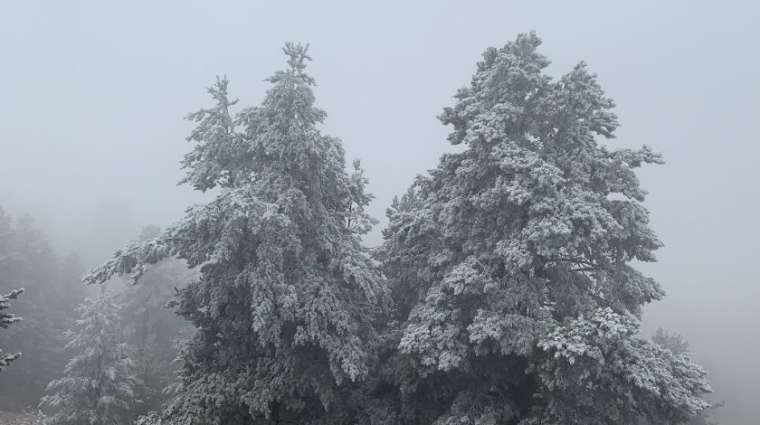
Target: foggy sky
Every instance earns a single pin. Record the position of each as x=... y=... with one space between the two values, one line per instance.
x=93 y=95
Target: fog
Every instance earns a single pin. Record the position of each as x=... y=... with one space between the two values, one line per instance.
x=94 y=95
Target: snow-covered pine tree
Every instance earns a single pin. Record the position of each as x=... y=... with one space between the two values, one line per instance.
x=511 y=265
x=7 y=319
x=679 y=346
x=97 y=384
x=287 y=294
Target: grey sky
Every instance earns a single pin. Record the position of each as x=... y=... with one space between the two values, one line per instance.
x=93 y=95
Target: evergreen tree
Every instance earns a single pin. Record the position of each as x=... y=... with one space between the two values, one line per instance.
x=7 y=319
x=97 y=383
x=286 y=298
x=511 y=266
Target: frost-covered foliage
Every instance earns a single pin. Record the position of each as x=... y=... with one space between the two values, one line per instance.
x=151 y=329
x=679 y=346
x=97 y=386
x=287 y=295
x=511 y=265
x=596 y=371
x=7 y=319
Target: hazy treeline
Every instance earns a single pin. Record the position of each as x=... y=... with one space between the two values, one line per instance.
x=52 y=290
x=52 y=303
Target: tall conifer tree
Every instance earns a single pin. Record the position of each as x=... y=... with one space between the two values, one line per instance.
x=511 y=264
x=287 y=295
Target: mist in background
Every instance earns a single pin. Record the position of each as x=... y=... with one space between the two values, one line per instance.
x=94 y=95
